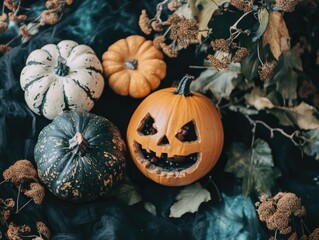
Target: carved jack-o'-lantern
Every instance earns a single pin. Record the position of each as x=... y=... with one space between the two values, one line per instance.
x=175 y=136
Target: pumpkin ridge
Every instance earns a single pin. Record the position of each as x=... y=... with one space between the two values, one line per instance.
x=41 y=106
x=132 y=88
x=66 y=100
x=158 y=82
x=85 y=89
x=27 y=85
x=133 y=40
x=51 y=57
x=29 y=63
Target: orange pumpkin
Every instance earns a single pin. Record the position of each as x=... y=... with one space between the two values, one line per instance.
x=175 y=136
x=134 y=66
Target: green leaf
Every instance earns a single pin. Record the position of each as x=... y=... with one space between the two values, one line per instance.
x=189 y=200
x=285 y=78
x=127 y=192
x=202 y=10
x=255 y=166
x=219 y=83
x=150 y=208
x=311 y=146
x=250 y=64
x=263 y=18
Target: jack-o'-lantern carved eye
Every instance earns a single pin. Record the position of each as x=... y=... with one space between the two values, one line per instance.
x=147 y=126
x=187 y=133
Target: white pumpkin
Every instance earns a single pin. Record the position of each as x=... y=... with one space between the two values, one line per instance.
x=62 y=77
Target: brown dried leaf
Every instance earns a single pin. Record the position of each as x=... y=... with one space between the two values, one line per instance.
x=276 y=34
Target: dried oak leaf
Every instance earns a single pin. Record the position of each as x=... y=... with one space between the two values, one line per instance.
x=189 y=199
x=220 y=84
x=255 y=166
x=20 y=172
x=276 y=34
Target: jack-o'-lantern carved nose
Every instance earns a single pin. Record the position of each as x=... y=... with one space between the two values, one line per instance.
x=163 y=141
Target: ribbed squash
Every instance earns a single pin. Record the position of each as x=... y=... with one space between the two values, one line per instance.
x=66 y=76
x=134 y=66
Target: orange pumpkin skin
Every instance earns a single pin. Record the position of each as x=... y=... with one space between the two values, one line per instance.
x=170 y=112
x=134 y=66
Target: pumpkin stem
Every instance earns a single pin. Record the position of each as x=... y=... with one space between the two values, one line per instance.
x=183 y=86
x=78 y=144
x=131 y=63
x=62 y=69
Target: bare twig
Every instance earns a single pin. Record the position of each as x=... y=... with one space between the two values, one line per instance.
x=24 y=205
x=18 y=197
x=295 y=134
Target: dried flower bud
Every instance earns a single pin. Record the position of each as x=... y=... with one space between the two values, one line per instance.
x=185 y=31
x=266 y=210
x=304 y=237
x=36 y=192
x=9 y=203
x=286 y=5
x=3 y=26
x=314 y=235
x=173 y=19
x=158 y=41
x=278 y=211
x=174 y=5
x=68 y=2
x=17 y=19
x=52 y=4
x=21 y=170
x=243 y=5
x=219 y=65
x=14 y=231
x=3 y=17
x=43 y=229
x=220 y=45
x=156 y=26
x=240 y=54
x=266 y=70
x=293 y=236
x=169 y=50
x=49 y=17
x=4 y=216
x=144 y=23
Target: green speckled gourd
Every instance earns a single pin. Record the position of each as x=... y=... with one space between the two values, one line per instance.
x=80 y=156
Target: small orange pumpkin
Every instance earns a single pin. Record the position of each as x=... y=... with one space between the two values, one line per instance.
x=175 y=136
x=134 y=66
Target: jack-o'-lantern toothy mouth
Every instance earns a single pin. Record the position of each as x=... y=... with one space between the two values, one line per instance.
x=176 y=163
